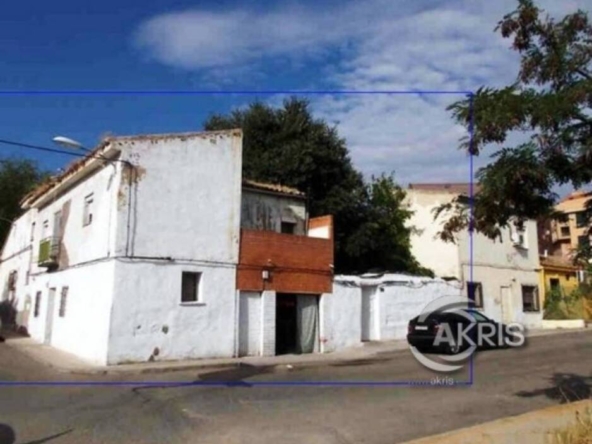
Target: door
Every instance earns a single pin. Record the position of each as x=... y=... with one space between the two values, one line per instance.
x=49 y=315
x=250 y=325
x=308 y=323
x=507 y=305
x=286 y=324
x=369 y=314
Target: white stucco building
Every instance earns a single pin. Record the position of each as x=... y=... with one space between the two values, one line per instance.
x=134 y=252
x=503 y=279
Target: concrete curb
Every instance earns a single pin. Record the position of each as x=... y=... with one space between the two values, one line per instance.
x=63 y=362
x=534 y=427
x=66 y=363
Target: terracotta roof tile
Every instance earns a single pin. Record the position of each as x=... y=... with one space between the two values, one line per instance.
x=557 y=261
x=272 y=187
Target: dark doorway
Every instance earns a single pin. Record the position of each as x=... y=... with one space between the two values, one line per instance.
x=286 y=328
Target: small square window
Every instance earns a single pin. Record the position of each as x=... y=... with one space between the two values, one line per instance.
x=530 y=298
x=565 y=231
x=190 y=291
x=63 y=300
x=87 y=216
x=581 y=219
x=475 y=294
x=37 y=306
x=288 y=227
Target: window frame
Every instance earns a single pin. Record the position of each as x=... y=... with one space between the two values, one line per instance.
x=63 y=301
x=535 y=296
x=473 y=302
x=285 y=223
x=567 y=228
x=197 y=287
x=87 y=213
x=37 y=304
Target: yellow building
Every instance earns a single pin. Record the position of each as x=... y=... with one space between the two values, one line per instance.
x=558 y=273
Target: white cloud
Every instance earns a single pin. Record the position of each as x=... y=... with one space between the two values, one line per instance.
x=382 y=45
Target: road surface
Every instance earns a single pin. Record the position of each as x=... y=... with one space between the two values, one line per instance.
x=549 y=370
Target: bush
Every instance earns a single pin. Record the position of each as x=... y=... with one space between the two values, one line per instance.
x=562 y=307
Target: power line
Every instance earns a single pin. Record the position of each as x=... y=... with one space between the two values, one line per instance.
x=40 y=148
x=58 y=151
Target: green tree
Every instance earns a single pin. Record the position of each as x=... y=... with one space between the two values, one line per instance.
x=17 y=178
x=287 y=145
x=548 y=104
x=383 y=238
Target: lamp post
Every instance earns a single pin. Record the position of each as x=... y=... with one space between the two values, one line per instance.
x=66 y=142
x=69 y=143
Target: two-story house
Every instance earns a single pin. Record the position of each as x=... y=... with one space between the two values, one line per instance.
x=154 y=247
x=499 y=276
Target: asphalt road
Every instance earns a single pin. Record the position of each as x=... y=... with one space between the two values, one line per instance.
x=549 y=370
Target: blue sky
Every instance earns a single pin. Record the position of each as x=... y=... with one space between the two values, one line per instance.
x=230 y=45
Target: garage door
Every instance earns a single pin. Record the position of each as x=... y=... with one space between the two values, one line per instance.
x=250 y=317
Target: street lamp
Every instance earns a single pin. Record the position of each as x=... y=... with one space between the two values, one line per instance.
x=69 y=143
x=66 y=142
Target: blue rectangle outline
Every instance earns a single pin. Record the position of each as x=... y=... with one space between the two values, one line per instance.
x=163 y=384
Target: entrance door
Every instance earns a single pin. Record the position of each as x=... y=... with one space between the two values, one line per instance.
x=369 y=314
x=249 y=327
x=49 y=315
x=286 y=329
x=308 y=323
x=507 y=305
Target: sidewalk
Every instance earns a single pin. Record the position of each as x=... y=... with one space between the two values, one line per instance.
x=65 y=362
x=68 y=363
x=533 y=428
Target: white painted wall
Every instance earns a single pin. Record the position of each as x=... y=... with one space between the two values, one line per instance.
x=340 y=317
x=81 y=246
x=186 y=200
x=441 y=257
x=250 y=323
x=402 y=301
x=147 y=313
x=84 y=329
x=400 y=298
x=269 y=312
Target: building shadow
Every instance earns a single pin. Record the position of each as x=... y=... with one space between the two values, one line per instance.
x=8 y=436
x=564 y=387
x=233 y=377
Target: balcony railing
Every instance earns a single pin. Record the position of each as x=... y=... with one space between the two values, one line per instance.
x=49 y=250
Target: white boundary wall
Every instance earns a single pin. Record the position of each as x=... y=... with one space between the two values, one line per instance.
x=399 y=298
